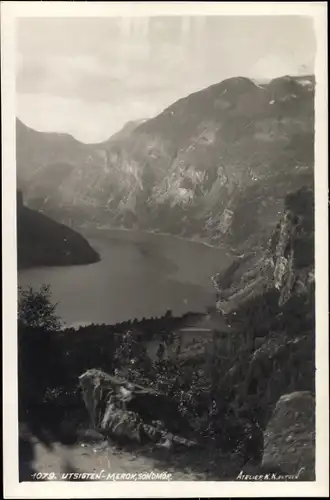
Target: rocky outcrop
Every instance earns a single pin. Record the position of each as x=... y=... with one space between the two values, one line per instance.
x=286 y=266
x=289 y=439
x=44 y=242
x=268 y=300
x=293 y=246
x=111 y=405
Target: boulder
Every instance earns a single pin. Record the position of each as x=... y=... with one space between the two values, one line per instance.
x=289 y=439
x=120 y=408
x=122 y=424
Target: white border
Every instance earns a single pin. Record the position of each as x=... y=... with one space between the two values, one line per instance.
x=13 y=489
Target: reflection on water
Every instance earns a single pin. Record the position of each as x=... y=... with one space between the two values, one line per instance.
x=140 y=275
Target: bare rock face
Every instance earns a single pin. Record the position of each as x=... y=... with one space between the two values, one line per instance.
x=286 y=267
x=289 y=439
x=292 y=245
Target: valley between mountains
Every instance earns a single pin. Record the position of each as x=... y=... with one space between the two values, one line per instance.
x=214 y=166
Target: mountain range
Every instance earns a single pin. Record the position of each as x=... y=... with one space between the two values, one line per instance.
x=215 y=165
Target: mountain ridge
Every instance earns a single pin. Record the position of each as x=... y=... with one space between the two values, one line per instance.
x=44 y=242
x=190 y=170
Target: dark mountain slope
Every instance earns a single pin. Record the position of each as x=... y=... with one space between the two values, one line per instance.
x=44 y=242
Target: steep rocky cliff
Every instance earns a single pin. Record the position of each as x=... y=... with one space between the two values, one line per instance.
x=268 y=299
x=214 y=165
x=285 y=266
x=44 y=242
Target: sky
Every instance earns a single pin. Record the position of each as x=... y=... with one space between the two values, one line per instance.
x=89 y=76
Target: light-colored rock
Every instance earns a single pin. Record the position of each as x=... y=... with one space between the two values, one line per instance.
x=289 y=439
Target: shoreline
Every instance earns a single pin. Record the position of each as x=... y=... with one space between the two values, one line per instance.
x=168 y=235
x=149 y=238
x=76 y=325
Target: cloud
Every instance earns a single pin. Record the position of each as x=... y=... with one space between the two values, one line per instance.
x=274 y=65
x=103 y=72
x=87 y=121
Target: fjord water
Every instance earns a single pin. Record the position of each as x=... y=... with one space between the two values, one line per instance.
x=139 y=275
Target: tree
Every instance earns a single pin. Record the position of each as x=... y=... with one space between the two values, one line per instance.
x=41 y=365
x=36 y=310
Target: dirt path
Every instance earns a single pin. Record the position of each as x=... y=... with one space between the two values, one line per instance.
x=91 y=458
